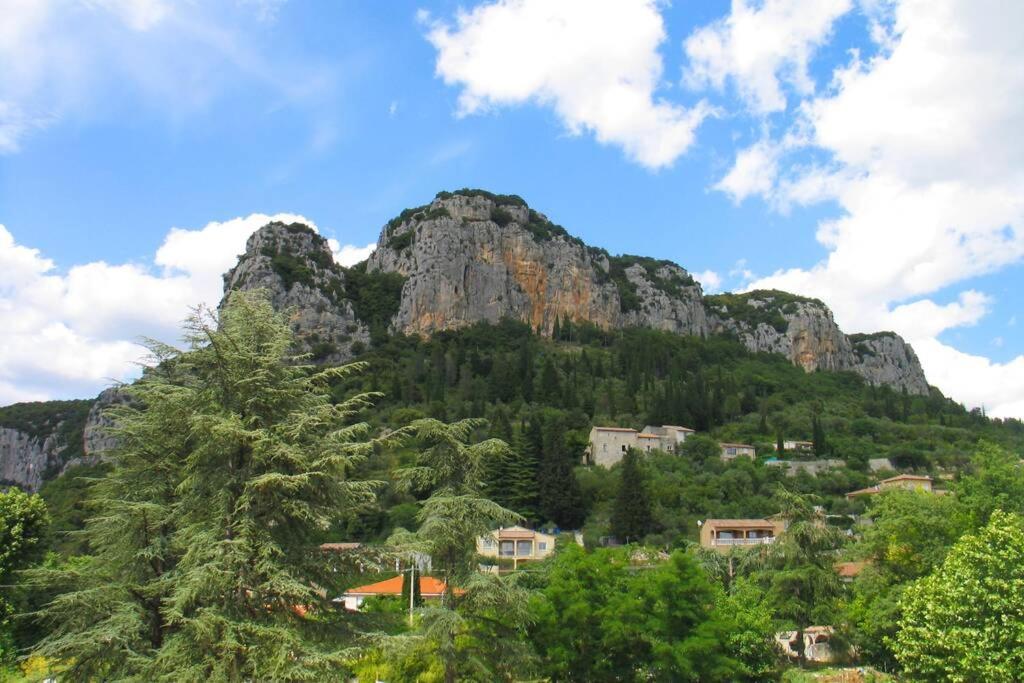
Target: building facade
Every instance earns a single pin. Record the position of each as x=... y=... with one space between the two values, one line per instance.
x=609 y=444
x=514 y=545
x=731 y=451
x=726 y=534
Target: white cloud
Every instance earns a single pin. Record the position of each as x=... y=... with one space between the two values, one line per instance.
x=978 y=380
x=595 y=62
x=70 y=334
x=926 y=163
x=754 y=172
x=710 y=280
x=758 y=46
x=350 y=254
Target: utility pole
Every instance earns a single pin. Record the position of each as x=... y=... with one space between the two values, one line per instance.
x=412 y=588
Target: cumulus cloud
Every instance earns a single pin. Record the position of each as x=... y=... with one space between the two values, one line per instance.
x=350 y=254
x=595 y=62
x=926 y=163
x=710 y=280
x=71 y=333
x=759 y=46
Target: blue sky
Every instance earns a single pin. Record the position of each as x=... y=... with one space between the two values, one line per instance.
x=809 y=146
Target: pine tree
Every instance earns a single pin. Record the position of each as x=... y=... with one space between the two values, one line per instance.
x=230 y=460
x=818 y=437
x=550 y=390
x=556 y=331
x=631 y=518
x=560 y=499
x=465 y=630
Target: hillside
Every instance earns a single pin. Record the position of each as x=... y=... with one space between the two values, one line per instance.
x=472 y=257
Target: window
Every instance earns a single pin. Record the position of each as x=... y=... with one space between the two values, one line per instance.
x=623 y=448
x=524 y=548
x=542 y=545
x=488 y=544
x=604 y=448
x=507 y=549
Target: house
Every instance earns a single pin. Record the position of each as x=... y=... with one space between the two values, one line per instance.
x=816 y=643
x=672 y=436
x=609 y=444
x=907 y=482
x=353 y=598
x=514 y=544
x=796 y=446
x=723 y=534
x=731 y=451
x=647 y=442
x=811 y=467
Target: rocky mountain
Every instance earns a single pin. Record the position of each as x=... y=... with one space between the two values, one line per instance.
x=467 y=257
x=474 y=256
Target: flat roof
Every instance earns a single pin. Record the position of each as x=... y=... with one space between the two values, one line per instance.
x=614 y=429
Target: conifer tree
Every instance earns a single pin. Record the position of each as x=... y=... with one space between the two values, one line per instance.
x=550 y=389
x=631 y=517
x=560 y=500
x=478 y=629
x=818 y=437
x=230 y=459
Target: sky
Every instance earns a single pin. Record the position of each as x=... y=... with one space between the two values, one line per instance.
x=866 y=152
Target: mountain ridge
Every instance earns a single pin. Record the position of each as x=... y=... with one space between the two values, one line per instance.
x=473 y=256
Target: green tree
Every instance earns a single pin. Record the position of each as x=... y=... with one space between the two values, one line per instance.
x=23 y=526
x=205 y=564
x=800 y=573
x=560 y=500
x=909 y=535
x=475 y=631
x=631 y=518
x=598 y=618
x=821 y=447
x=965 y=621
x=995 y=482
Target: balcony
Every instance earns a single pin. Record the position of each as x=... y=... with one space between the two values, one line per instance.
x=763 y=540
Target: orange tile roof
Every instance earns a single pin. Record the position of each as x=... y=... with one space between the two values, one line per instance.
x=429 y=587
x=736 y=445
x=647 y=436
x=869 y=491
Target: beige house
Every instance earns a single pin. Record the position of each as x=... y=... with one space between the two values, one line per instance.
x=725 y=534
x=609 y=444
x=670 y=436
x=516 y=544
x=731 y=451
x=907 y=482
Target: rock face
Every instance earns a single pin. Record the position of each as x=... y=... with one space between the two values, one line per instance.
x=883 y=358
x=481 y=258
x=294 y=265
x=473 y=256
x=25 y=459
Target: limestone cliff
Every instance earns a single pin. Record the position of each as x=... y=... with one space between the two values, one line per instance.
x=37 y=439
x=473 y=256
x=481 y=257
x=294 y=265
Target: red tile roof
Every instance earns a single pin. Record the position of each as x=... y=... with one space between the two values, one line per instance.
x=429 y=587
x=907 y=477
x=339 y=547
x=739 y=523
x=848 y=570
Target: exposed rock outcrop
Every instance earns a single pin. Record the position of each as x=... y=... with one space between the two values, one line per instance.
x=485 y=258
x=473 y=256
x=883 y=358
x=294 y=265
x=25 y=459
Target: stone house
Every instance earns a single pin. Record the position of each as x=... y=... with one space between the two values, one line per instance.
x=671 y=436
x=609 y=444
x=811 y=467
x=796 y=446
